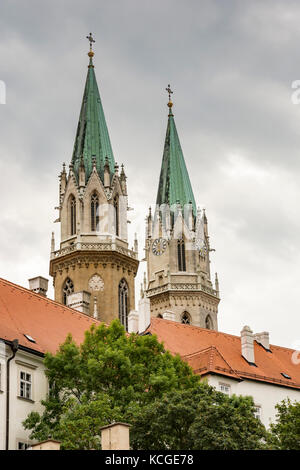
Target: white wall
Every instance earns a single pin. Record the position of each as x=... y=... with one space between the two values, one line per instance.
x=20 y=408
x=264 y=394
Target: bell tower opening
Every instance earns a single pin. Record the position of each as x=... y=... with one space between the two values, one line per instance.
x=95 y=212
x=123 y=303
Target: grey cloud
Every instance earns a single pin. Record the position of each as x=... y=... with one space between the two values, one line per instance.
x=231 y=65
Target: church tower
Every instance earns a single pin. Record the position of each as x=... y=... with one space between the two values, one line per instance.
x=177 y=245
x=93 y=270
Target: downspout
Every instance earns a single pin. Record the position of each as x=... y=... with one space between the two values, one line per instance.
x=14 y=347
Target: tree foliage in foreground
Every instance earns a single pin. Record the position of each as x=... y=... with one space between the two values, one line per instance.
x=285 y=432
x=200 y=418
x=113 y=376
x=108 y=378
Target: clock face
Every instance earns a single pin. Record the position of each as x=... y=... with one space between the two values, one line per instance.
x=159 y=246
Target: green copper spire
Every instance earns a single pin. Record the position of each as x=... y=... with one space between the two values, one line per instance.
x=174 y=182
x=92 y=138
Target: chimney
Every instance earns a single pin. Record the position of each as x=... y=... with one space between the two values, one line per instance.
x=50 y=444
x=133 y=322
x=80 y=301
x=39 y=285
x=115 y=436
x=247 y=343
x=263 y=339
x=144 y=313
x=168 y=315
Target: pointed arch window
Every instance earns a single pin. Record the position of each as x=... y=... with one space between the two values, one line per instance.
x=186 y=318
x=181 y=255
x=95 y=212
x=123 y=303
x=117 y=221
x=72 y=215
x=67 y=289
x=208 y=322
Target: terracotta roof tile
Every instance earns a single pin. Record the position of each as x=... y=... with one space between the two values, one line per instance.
x=22 y=312
x=209 y=351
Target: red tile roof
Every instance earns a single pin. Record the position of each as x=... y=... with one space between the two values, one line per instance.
x=22 y=312
x=209 y=351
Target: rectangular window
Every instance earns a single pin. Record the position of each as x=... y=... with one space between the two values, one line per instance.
x=23 y=445
x=257 y=412
x=224 y=388
x=25 y=385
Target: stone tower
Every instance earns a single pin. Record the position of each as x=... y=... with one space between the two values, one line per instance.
x=93 y=270
x=177 y=245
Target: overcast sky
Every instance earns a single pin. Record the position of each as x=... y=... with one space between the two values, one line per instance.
x=231 y=65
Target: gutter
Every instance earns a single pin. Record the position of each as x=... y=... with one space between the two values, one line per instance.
x=25 y=348
x=14 y=347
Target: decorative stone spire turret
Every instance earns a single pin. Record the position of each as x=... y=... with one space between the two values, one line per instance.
x=177 y=244
x=93 y=260
x=92 y=138
x=174 y=182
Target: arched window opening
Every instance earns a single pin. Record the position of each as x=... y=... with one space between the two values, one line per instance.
x=123 y=303
x=94 y=212
x=185 y=318
x=117 y=222
x=73 y=215
x=159 y=316
x=67 y=289
x=208 y=323
x=181 y=255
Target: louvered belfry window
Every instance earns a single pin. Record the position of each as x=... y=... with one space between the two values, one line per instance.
x=73 y=215
x=116 y=206
x=123 y=303
x=181 y=255
x=94 y=213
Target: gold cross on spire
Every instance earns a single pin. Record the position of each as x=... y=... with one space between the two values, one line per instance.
x=170 y=104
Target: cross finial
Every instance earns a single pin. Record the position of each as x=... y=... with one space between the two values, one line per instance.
x=91 y=53
x=170 y=92
x=91 y=39
x=170 y=104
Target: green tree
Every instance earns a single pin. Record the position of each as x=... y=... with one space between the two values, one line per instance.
x=114 y=376
x=285 y=432
x=199 y=418
x=111 y=376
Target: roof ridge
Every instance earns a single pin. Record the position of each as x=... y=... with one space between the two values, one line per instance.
x=214 y=332
x=212 y=349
